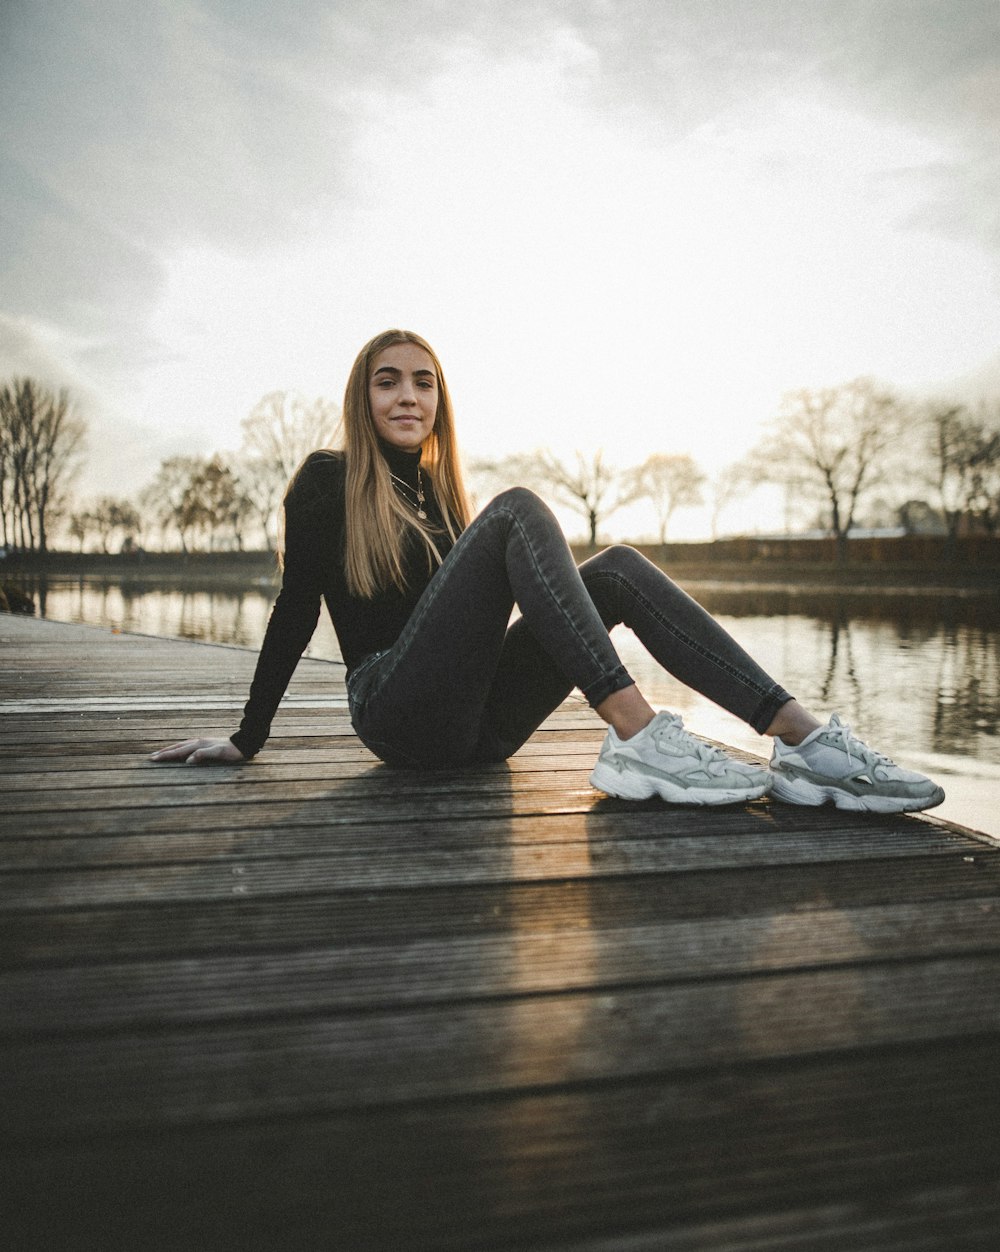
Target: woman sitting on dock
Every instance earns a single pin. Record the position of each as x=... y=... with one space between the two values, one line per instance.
x=421 y=599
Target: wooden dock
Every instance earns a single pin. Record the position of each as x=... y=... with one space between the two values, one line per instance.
x=312 y=1003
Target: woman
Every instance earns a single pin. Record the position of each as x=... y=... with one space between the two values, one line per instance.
x=421 y=599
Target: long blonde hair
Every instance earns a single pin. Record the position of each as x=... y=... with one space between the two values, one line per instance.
x=378 y=521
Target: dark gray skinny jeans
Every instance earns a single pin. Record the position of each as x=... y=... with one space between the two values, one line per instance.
x=463 y=685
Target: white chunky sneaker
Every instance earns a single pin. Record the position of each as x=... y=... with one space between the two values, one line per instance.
x=665 y=760
x=831 y=764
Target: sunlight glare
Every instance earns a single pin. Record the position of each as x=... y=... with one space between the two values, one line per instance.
x=587 y=286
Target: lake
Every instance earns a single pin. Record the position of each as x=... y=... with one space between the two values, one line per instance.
x=916 y=674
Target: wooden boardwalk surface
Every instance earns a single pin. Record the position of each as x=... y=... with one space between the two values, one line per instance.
x=312 y=1003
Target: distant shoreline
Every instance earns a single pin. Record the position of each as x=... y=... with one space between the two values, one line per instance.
x=906 y=564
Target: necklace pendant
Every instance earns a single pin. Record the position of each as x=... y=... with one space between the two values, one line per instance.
x=404 y=489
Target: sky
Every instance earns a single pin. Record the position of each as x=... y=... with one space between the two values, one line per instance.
x=624 y=224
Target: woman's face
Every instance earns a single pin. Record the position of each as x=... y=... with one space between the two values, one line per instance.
x=403 y=395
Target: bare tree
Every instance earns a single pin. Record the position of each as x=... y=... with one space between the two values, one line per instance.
x=671 y=481
x=41 y=439
x=279 y=433
x=239 y=512
x=729 y=484
x=214 y=502
x=56 y=459
x=108 y=517
x=965 y=458
x=833 y=444
x=985 y=502
x=12 y=445
x=951 y=445
x=592 y=488
x=80 y=525
x=262 y=489
x=163 y=500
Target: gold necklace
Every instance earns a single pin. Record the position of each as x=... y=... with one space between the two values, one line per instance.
x=402 y=483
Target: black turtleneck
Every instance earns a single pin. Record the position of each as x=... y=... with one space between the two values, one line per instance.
x=315 y=524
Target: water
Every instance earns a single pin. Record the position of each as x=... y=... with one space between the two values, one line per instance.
x=917 y=676
x=926 y=691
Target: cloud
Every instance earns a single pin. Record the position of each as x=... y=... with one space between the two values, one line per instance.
x=58 y=259
x=929 y=66
x=57 y=358
x=164 y=121
x=132 y=131
x=135 y=129
x=45 y=352
x=208 y=199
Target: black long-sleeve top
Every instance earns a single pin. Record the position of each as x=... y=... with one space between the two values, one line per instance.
x=315 y=524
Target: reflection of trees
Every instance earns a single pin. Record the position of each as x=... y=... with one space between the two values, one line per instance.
x=234 y=614
x=915 y=674
x=841 y=659
x=219 y=616
x=967 y=690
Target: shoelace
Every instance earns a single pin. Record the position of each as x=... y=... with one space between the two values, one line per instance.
x=865 y=755
x=714 y=759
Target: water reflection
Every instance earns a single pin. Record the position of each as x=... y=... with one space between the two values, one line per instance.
x=968 y=678
x=210 y=613
x=918 y=677
x=915 y=673
x=923 y=674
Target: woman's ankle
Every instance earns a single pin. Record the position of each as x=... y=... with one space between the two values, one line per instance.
x=626 y=711
x=792 y=723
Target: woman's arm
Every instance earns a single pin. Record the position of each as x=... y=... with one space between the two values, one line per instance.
x=290 y=627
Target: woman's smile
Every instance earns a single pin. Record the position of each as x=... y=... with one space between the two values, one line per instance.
x=403 y=395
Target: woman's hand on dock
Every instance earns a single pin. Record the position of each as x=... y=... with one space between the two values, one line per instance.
x=199 y=752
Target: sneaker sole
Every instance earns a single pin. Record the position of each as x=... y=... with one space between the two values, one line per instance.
x=633 y=787
x=800 y=791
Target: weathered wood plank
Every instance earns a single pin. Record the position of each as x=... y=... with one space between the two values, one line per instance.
x=542 y=752
x=529 y=961
x=460 y=1009
x=394 y=917
x=295 y=1065
x=34 y=783
x=347 y=868
x=309 y=830
x=905 y=1160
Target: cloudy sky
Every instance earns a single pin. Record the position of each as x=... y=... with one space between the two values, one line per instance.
x=628 y=224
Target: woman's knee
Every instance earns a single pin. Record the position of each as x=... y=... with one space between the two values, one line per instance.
x=614 y=578
x=521 y=501
x=618 y=559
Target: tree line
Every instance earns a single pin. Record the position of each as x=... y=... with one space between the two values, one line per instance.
x=842 y=455
x=225 y=501
x=831 y=449
x=41 y=443
x=835 y=447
